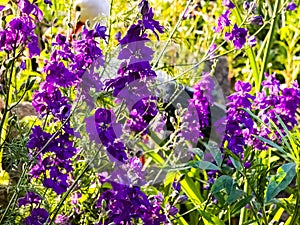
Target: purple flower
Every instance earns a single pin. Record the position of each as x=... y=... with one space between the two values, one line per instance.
x=37 y=217
x=38 y=138
x=20 y=32
x=151 y=24
x=257 y=20
x=240 y=126
x=48 y=2
x=223 y=21
x=62 y=219
x=252 y=41
x=1 y=7
x=125 y=203
x=291 y=6
x=228 y=4
x=29 y=198
x=26 y=7
x=238 y=36
x=57 y=181
x=246 y=5
x=23 y=65
x=176 y=185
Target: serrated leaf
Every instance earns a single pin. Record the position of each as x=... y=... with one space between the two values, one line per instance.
x=281 y=180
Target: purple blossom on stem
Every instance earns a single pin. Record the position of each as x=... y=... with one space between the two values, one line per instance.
x=238 y=36
x=48 y=2
x=252 y=41
x=29 y=198
x=240 y=126
x=291 y=6
x=37 y=217
x=125 y=203
x=20 y=32
x=257 y=20
x=228 y=4
x=28 y=8
x=223 y=21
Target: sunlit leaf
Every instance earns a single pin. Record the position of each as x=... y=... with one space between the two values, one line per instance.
x=281 y=180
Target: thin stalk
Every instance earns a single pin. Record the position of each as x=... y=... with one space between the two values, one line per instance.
x=243 y=210
x=4 y=121
x=249 y=51
x=268 y=45
x=296 y=211
x=172 y=33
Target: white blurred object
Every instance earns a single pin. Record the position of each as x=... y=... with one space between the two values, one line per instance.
x=91 y=10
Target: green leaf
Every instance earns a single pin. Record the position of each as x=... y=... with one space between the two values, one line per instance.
x=236 y=164
x=204 y=165
x=191 y=191
x=240 y=204
x=210 y=219
x=281 y=180
x=215 y=152
x=227 y=183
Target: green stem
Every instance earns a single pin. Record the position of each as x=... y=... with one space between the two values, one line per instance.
x=268 y=45
x=4 y=121
x=172 y=33
x=297 y=206
x=249 y=51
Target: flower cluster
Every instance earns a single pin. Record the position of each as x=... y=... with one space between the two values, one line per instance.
x=136 y=68
x=197 y=116
x=37 y=215
x=106 y=127
x=272 y=102
x=66 y=68
x=130 y=203
x=238 y=35
x=19 y=32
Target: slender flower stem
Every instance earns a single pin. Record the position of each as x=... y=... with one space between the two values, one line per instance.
x=4 y=122
x=172 y=33
x=249 y=51
x=268 y=45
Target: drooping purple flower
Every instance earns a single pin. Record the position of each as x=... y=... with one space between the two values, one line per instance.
x=238 y=36
x=151 y=24
x=23 y=65
x=252 y=41
x=228 y=4
x=26 y=7
x=48 y=2
x=29 y=198
x=246 y=5
x=37 y=217
x=291 y=6
x=223 y=21
x=257 y=20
